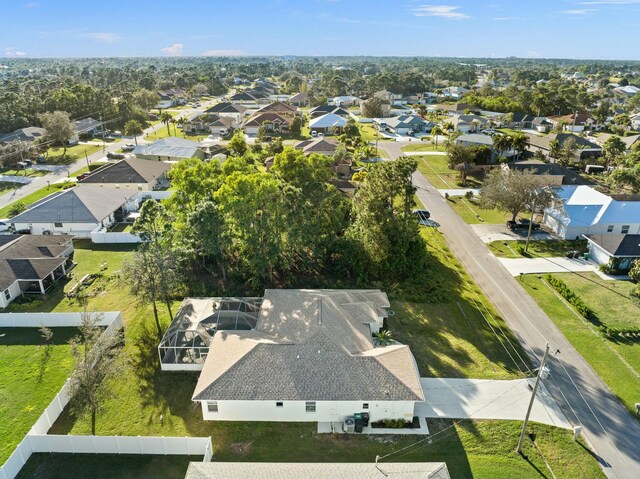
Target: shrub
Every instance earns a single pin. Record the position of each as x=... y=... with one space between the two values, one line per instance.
x=621 y=334
x=566 y=292
x=17 y=208
x=468 y=195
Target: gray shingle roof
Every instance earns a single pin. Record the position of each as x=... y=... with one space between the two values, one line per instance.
x=81 y=204
x=310 y=345
x=618 y=245
x=170 y=147
x=130 y=170
x=226 y=108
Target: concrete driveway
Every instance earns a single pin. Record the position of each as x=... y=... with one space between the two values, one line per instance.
x=487 y=399
x=488 y=233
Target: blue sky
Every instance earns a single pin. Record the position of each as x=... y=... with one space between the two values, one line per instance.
x=607 y=29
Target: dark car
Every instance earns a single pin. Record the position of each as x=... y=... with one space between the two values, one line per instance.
x=514 y=225
x=115 y=156
x=525 y=224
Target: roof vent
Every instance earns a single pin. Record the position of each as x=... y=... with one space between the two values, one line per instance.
x=297 y=356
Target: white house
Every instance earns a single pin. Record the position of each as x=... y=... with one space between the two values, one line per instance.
x=310 y=357
x=329 y=123
x=635 y=122
x=229 y=110
x=30 y=264
x=77 y=211
x=582 y=210
x=169 y=149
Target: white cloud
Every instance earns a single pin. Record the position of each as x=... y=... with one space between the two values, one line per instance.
x=107 y=37
x=12 y=52
x=32 y=5
x=611 y=2
x=533 y=54
x=445 y=11
x=579 y=11
x=224 y=53
x=174 y=50
x=505 y=18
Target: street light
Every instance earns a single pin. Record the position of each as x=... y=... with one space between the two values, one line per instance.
x=536 y=193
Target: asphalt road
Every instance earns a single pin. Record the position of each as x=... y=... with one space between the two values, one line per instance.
x=585 y=399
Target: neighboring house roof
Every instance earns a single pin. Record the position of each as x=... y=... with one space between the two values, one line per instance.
x=324 y=109
x=310 y=345
x=130 y=170
x=86 y=124
x=260 y=118
x=629 y=141
x=519 y=117
x=279 y=108
x=243 y=96
x=328 y=121
x=81 y=204
x=544 y=142
x=572 y=119
x=617 y=245
x=627 y=90
x=299 y=97
x=30 y=133
x=541 y=121
x=471 y=119
x=475 y=138
x=570 y=177
x=226 y=108
x=405 y=121
x=211 y=119
x=171 y=147
x=316 y=470
x=317 y=145
x=30 y=257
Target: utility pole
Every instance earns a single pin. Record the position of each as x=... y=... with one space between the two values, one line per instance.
x=533 y=397
x=86 y=157
x=533 y=212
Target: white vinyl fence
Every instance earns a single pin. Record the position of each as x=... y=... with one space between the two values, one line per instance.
x=103 y=236
x=37 y=440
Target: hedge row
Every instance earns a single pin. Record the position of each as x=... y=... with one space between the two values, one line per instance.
x=568 y=294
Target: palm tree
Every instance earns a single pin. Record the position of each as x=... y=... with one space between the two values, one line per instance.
x=367 y=152
x=554 y=148
x=502 y=143
x=435 y=131
x=181 y=122
x=448 y=126
x=384 y=337
x=165 y=118
x=520 y=143
x=422 y=110
x=133 y=127
x=173 y=121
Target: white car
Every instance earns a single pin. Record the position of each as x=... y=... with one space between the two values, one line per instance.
x=4 y=225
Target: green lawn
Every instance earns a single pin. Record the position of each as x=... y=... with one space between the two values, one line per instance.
x=55 y=154
x=435 y=169
x=424 y=146
x=449 y=337
x=163 y=133
x=472 y=213
x=30 y=172
x=105 y=466
x=543 y=248
x=611 y=304
x=31 y=374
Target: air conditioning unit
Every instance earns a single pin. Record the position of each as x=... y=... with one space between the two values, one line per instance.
x=349 y=425
x=47 y=232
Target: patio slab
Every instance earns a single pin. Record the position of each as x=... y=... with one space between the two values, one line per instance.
x=336 y=427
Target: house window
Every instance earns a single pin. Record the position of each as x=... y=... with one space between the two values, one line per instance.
x=625 y=229
x=279 y=404
x=310 y=406
x=7 y=294
x=57 y=225
x=212 y=406
x=610 y=229
x=365 y=405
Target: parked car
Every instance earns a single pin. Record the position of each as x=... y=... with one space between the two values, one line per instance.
x=525 y=224
x=4 y=225
x=422 y=215
x=115 y=156
x=128 y=147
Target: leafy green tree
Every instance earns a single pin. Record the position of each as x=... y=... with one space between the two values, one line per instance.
x=204 y=236
x=95 y=360
x=16 y=208
x=59 y=127
x=237 y=145
x=435 y=132
x=502 y=144
x=194 y=181
x=296 y=126
x=351 y=129
x=554 y=149
x=629 y=177
x=458 y=154
x=133 y=128
x=634 y=272
x=520 y=143
x=146 y=99
x=613 y=149
x=514 y=191
x=372 y=108
x=568 y=152
x=154 y=223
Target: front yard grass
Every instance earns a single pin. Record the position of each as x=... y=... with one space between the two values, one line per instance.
x=55 y=153
x=424 y=146
x=435 y=169
x=539 y=248
x=472 y=213
x=611 y=304
x=448 y=338
x=31 y=374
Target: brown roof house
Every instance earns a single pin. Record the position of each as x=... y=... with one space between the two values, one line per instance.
x=30 y=264
x=322 y=146
x=273 y=122
x=311 y=356
x=130 y=173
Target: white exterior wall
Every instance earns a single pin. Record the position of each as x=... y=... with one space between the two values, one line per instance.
x=597 y=254
x=14 y=292
x=295 y=411
x=251 y=130
x=128 y=186
x=80 y=230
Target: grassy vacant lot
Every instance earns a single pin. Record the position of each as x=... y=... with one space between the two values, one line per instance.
x=55 y=156
x=612 y=306
x=423 y=146
x=31 y=374
x=30 y=172
x=540 y=249
x=448 y=338
x=471 y=212
x=436 y=170
x=107 y=466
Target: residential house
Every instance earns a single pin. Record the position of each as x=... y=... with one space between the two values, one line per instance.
x=25 y=135
x=328 y=124
x=404 y=124
x=585 y=149
x=628 y=90
x=279 y=108
x=390 y=97
x=635 y=122
x=299 y=99
x=456 y=108
x=209 y=122
x=321 y=146
x=520 y=120
x=169 y=149
x=556 y=175
x=541 y=124
x=77 y=211
x=311 y=357
x=629 y=141
x=130 y=173
x=32 y=264
x=345 y=101
x=454 y=92
x=272 y=122
x=229 y=110
x=582 y=210
x=344 y=186
x=325 y=109
x=576 y=122
x=614 y=249
x=245 y=98
x=474 y=139
x=317 y=470
x=468 y=123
